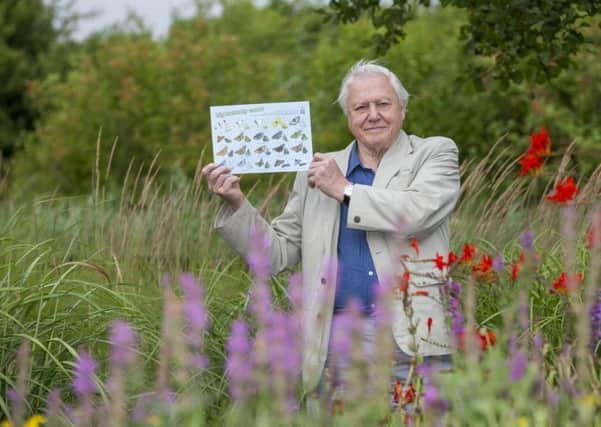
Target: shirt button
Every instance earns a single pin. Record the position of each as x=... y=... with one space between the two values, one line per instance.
x=370 y=273
x=357 y=219
x=323 y=280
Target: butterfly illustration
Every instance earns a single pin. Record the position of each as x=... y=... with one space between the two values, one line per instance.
x=278 y=162
x=277 y=135
x=260 y=162
x=267 y=166
x=298 y=147
x=261 y=149
x=258 y=136
x=279 y=148
x=241 y=150
x=298 y=162
x=239 y=137
x=222 y=152
x=294 y=121
x=304 y=137
x=296 y=134
x=286 y=165
x=246 y=138
x=242 y=163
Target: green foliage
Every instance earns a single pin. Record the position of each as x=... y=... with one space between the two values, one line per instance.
x=532 y=41
x=152 y=97
x=26 y=32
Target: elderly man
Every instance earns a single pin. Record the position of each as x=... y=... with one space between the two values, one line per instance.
x=359 y=209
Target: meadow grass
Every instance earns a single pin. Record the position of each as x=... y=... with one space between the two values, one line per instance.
x=69 y=266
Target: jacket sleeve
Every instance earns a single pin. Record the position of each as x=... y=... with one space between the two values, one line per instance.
x=418 y=208
x=284 y=233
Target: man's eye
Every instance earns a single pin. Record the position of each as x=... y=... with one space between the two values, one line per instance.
x=383 y=104
x=360 y=107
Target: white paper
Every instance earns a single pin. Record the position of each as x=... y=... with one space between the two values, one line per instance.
x=259 y=138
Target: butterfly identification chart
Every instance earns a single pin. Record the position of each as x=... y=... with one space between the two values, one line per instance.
x=258 y=138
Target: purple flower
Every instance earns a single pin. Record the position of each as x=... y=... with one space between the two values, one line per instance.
x=261 y=306
x=517 y=365
x=123 y=343
x=433 y=399
x=194 y=310
x=239 y=362
x=259 y=260
x=498 y=264
x=527 y=240
x=83 y=375
x=596 y=323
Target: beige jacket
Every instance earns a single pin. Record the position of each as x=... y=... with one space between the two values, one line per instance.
x=414 y=192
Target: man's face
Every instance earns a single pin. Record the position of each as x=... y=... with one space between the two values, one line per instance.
x=375 y=115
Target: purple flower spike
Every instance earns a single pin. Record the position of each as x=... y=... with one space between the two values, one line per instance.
x=517 y=365
x=123 y=343
x=527 y=240
x=259 y=260
x=194 y=310
x=498 y=264
x=596 y=323
x=83 y=376
x=239 y=362
x=433 y=400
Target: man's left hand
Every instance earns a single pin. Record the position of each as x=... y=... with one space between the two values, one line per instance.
x=325 y=174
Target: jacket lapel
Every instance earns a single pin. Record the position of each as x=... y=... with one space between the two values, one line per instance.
x=398 y=157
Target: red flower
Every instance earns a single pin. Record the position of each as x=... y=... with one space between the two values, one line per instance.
x=452 y=258
x=486 y=340
x=564 y=191
x=469 y=252
x=561 y=284
x=485 y=264
x=531 y=164
x=515 y=271
x=415 y=245
x=421 y=293
x=540 y=144
x=439 y=261
x=397 y=391
x=429 y=323
x=409 y=394
x=404 y=282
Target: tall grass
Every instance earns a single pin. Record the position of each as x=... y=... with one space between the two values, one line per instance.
x=70 y=266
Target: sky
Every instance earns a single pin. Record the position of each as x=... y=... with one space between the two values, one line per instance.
x=155 y=13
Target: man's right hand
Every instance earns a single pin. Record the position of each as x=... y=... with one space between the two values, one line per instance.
x=224 y=184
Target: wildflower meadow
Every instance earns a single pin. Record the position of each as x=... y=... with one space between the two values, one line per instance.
x=124 y=309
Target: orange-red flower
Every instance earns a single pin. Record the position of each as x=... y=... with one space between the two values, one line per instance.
x=397 y=391
x=531 y=164
x=540 y=143
x=540 y=146
x=404 y=282
x=515 y=271
x=409 y=394
x=469 y=252
x=452 y=258
x=429 y=324
x=564 y=191
x=439 y=261
x=561 y=284
x=485 y=339
x=415 y=245
x=420 y=293
x=485 y=264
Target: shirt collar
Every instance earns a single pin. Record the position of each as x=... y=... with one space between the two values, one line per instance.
x=354 y=160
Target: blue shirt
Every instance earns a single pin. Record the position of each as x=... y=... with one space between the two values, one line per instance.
x=356 y=271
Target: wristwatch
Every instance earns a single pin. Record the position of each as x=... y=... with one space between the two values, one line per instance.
x=348 y=192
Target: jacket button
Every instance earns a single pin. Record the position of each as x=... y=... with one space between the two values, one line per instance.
x=323 y=280
x=357 y=219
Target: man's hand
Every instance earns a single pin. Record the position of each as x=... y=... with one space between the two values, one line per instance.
x=325 y=174
x=224 y=184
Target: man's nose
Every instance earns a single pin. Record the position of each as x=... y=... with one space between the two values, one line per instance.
x=373 y=112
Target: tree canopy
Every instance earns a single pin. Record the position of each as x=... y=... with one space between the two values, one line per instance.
x=527 y=39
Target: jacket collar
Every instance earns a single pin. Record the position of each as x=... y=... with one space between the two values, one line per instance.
x=393 y=160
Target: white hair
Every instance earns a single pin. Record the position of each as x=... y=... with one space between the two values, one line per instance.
x=365 y=67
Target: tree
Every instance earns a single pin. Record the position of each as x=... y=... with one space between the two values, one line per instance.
x=526 y=39
x=26 y=33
